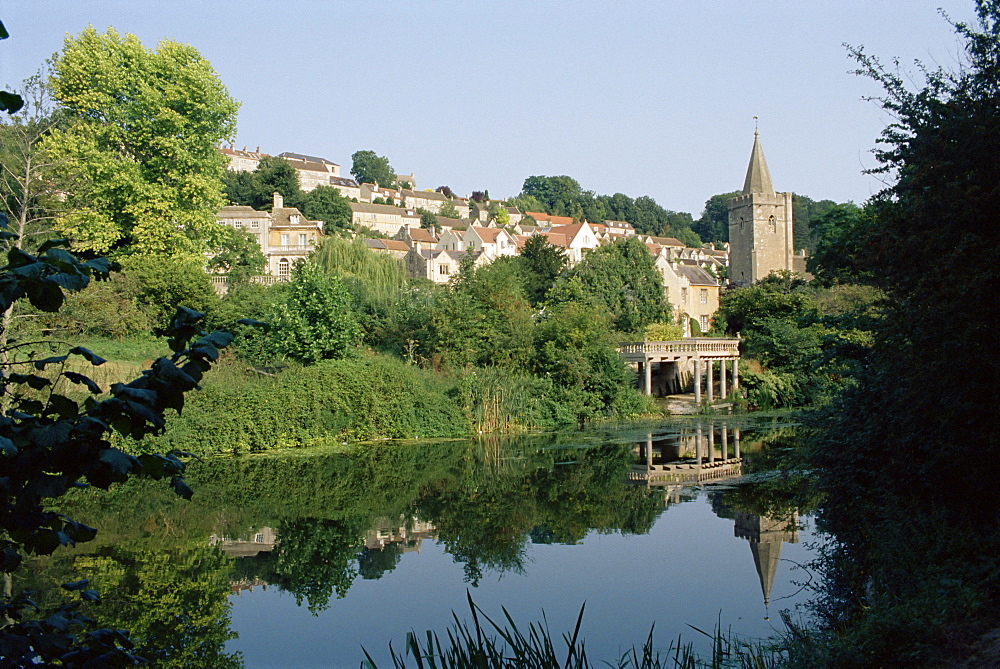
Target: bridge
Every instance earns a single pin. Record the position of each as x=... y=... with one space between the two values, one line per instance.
x=700 y=354
x=697 y=455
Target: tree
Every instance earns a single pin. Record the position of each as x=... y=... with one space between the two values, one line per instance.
x=713 y=225
x=369 y=167
x=238 y=256
x=559 y=194
x=622 y=277
x=541 y=263
x=140 y=167
x=165 y=284
x=842 y=234
x=276 y=175
x=325 y=203
x=52 y=443
x=316 y=320
x=500 y=215
x=449 y=210
x=445 y=190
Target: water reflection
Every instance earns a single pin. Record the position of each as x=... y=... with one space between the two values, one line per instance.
x=316 y=525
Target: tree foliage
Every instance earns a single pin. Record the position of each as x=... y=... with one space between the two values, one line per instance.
x=139 y=164
x=620 y=277
x=316 y=320
x=371 y=168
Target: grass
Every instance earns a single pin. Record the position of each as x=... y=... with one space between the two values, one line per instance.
x=488 y=645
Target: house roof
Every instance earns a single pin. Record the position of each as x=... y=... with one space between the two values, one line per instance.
x=341 y=181
x=281 y=216
x=696 y=276
x=425 y=194
x=550 y=219
x=376 y=208
x=422 y=235
x=241 y=210
x=304 y=158
x=488 y=235
x=666 y=241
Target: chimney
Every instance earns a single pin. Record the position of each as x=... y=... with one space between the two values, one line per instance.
x=279 y=201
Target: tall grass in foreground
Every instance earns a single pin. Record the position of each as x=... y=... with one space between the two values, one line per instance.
x=490 y=646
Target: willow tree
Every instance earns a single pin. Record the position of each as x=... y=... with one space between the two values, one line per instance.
x=141 y=171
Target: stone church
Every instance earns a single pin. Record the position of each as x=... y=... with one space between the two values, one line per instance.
x=760 y=226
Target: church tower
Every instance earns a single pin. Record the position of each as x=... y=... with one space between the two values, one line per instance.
x=760 y=225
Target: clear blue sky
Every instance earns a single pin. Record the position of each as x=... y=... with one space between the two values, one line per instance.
x=645 y=98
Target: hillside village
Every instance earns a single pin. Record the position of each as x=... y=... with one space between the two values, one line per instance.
x=692 y=277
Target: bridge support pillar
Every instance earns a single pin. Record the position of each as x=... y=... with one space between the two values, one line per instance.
x=697 y=381
x=736 y=374
x=647 y=383
x=708 y=379
x=736 y=442
x=711 y=443
x=725 y=443
x=722 y=379
x=697 y=444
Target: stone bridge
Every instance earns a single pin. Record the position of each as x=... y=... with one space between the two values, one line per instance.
x=699 y=354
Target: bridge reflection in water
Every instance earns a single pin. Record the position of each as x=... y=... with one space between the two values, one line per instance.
x=700 y=453
x=710 y=453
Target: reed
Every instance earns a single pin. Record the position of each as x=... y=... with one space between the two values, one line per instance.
x=486 y=644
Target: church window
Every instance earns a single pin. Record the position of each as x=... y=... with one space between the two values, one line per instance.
x=741 y=222
x=772 y=225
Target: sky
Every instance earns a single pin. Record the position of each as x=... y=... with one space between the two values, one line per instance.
x=652 y=98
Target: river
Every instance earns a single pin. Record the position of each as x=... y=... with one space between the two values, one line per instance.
x=298 y=559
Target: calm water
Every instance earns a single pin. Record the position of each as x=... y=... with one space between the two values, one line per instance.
x=299 y=560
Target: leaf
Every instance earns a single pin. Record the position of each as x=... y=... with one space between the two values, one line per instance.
x=40 y=364
x=181 y=488
x=63 y=406
x=119 y=462
x=10 y=102
x=52 y=243
x=44 y=295
x=7 y=447
x=76 y=377
x=91 y=357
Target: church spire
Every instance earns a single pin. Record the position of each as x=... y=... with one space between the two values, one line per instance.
x=758 y=177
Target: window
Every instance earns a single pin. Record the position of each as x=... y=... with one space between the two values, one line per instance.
x=284 y=267
x=284 y=239
x=772 y=225
x=254 y=224
x=302 y=239
x=294 y=219
x=444 y=269
x=237 y=224
x=684 y=295
x=258 y=538
x=703 y=295
x=703 y=321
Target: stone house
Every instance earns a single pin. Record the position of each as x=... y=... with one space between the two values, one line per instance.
x=391 y=247
x=436 y=265
x=579 y=237
x=692 y=292
x=241 y=160
x=348 y=187
x=312 y=171
x=284 y=235
x=490 y=242
x=384 y=218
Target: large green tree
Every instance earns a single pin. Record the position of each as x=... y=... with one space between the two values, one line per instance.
x=369 y=167
x=540 y=263
x=140 y=167
x=621 y=277
x=316 y=320
x=325 y=203
x=917 y=438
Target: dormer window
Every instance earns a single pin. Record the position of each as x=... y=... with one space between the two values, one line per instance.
x=294 y=219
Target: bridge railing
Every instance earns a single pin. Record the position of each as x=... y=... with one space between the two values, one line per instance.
x=695 y=345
